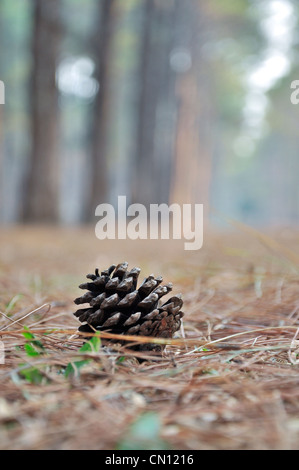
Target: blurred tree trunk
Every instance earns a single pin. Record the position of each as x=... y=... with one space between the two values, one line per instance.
x=165 y=117
x=142 y=189
x=41 y=202
x=1 y=117
x=102 y=50
x=156 y=113
x=193 y=150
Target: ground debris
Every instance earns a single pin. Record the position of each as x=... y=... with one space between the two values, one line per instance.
x=228 y=380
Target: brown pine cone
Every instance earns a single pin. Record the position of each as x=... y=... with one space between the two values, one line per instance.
x=116 y=305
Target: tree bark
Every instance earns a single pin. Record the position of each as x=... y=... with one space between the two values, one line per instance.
x=102 y=49
x=193 y=150
x=41 y=201
x=157 y=104
x=145 y=114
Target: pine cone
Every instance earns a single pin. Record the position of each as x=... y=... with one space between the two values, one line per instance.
x=118 y=306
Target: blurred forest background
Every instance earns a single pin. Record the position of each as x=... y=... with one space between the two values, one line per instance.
x=184 y=101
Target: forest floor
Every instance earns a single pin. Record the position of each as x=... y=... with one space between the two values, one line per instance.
x=230 y=380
